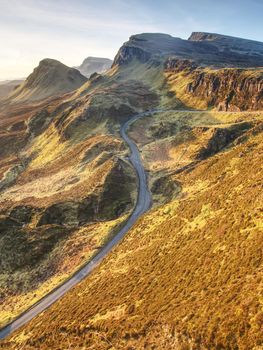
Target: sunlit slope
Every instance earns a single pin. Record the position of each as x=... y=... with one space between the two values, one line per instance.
x=50 y=78
x=64 y=178
x=207 y=71
x=187 y=276
x=189 y=271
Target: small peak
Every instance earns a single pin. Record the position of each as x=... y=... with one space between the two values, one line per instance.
x=49 y=62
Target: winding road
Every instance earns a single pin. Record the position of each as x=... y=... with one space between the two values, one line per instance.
x=142 y=205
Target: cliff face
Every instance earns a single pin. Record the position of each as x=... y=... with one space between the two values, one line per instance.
x=207 y=70
x=226 y=89
x=205 y=48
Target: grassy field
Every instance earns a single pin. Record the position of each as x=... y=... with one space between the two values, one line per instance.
x=189 y=274
x=170 y=141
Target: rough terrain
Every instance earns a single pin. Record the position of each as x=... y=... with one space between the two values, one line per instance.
x=188 y=274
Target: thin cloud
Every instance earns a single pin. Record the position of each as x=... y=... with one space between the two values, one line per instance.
x=71 y=30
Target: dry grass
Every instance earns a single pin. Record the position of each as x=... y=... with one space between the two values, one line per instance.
x=187 y=276
x=67 y=257
x=170 y=141
x=177 y=82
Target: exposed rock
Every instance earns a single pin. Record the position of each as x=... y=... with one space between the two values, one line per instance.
x=220 y=138
x=209 y=49
x=22 y=214
x=177 y=65
x=226 y=89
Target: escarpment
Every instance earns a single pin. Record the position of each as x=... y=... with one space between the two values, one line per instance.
x=227 y=89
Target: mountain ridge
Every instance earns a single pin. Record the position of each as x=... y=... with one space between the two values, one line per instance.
x=215 y=52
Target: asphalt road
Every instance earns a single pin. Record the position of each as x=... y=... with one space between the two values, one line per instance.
x=142 y=205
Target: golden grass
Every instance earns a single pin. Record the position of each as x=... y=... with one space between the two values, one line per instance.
x=177 y=83
x=171 y=140
x=48 y=147
x=193 y=271
x=70 y=255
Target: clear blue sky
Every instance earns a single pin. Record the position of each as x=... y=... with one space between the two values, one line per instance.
x=70 y=30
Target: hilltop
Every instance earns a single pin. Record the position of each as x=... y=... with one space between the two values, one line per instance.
x=204 y=48
x=49 y=78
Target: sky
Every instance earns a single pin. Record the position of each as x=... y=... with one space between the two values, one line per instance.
x=70 y=30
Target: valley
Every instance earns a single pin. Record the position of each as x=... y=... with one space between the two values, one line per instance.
x=131 y=199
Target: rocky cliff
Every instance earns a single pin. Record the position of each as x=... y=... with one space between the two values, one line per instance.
x=226 y=89
x=204 y=48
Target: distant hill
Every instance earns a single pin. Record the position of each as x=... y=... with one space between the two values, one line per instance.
x=49 y=78
x=94 y=64
x=7 y=86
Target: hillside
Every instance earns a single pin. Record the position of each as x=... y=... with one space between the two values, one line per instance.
x=62 y=164
x=189 y=271
x=6 y=87
x=188 y=274
x=223 y=72
x=94 y=64
x=49 y=78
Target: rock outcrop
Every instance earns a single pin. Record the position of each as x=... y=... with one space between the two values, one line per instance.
x=226 y=89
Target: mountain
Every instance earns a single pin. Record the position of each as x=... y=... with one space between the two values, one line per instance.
x=229 y=43
x=205 y=71
x=190 y=268
x=49 y=78
x=7 y=86
x=208 y=49
x=94 y=64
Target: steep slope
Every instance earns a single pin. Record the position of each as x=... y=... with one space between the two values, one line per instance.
x=225 y=89
x=49 y=78
x=189 y=271
x=65 y=184
x=94 y=64
x=223 y=72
